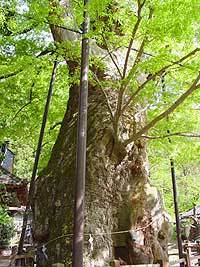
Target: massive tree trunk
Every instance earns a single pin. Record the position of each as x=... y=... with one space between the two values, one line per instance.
x=123 y=214
x=118 y=194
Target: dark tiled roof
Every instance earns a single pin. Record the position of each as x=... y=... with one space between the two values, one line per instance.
x=190 y=213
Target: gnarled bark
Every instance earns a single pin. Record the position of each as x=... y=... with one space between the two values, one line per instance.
x=118 y=194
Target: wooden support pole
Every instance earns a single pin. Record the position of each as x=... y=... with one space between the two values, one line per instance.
x=178 y=232
x=78 y=237
x=37 y=157
x=176 y=210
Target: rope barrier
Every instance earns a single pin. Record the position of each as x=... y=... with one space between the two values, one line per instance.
x=99 y=234
x=41 y=249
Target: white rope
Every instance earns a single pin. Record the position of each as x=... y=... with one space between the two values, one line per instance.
x=98 y=234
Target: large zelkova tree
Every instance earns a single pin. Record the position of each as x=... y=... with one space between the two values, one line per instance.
x=143 y=83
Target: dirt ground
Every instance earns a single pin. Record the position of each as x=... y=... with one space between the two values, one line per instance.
x=173 y=257
x=4 y=263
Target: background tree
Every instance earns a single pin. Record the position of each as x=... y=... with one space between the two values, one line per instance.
x=6 y=227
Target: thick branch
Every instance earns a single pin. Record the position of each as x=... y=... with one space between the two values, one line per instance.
x=31 y=28
x=26 y=30
x=138 y=57
x=139 y=54
x=119 y=109
x=182 y=134
x=26 y=104
x=162 y=70
x=67 y=29
x=106 y=97
x=30 y=98
x=112 y=58
x=139 y=18
x=8 y=75
x=48 y=22
x=45 y=52
x=158 y=73
x=44 y=144
x=55 y=125
x=164 y=114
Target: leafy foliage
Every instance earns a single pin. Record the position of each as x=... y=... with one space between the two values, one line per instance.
x=6 y=227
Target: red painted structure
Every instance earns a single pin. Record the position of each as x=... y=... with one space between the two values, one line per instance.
x=14 y=191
